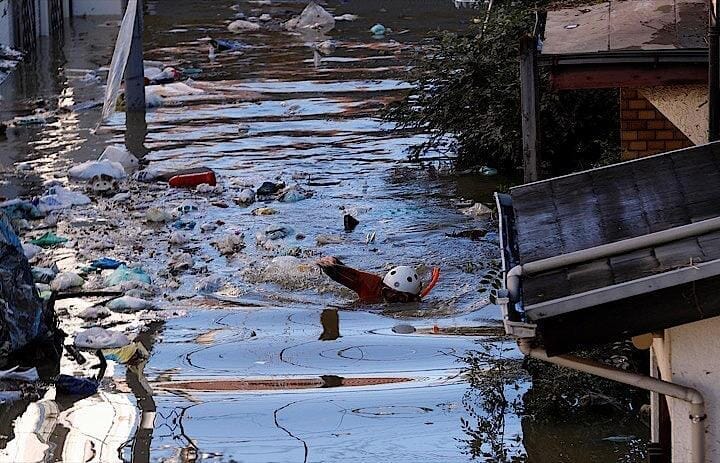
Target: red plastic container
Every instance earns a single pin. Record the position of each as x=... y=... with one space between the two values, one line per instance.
x=193 y=180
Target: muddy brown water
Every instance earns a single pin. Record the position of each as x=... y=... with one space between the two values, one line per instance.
x=282 y=370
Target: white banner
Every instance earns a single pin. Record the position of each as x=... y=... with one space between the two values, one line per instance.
x=119 y=60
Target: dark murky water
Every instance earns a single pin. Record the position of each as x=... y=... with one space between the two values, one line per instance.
x=280 y=368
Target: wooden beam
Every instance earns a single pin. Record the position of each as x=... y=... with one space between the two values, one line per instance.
x=529 y=107
x=587 y=76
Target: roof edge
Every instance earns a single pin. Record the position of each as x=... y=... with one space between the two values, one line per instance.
x=609 y=166
x=623 y=290
x=659 y=56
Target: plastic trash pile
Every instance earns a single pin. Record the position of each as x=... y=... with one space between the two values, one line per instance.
x=143 y=240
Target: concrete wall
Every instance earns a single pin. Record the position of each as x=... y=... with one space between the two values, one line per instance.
x=685 y=105
x=6 y=23
x=695 y=362
x=97 y=7
x=644 y=130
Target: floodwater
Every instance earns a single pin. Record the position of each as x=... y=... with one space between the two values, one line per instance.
x=275 y=363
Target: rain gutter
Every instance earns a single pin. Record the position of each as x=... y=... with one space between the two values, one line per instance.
x=622 y=290
x=606 y=294
x=652 y=57
x=689 y=395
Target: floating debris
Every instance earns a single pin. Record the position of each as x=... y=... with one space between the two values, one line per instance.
x=49 y=240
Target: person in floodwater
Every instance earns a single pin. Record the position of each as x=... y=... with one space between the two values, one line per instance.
x=400 y=284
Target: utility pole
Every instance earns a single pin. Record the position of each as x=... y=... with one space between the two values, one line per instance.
x=529 y=107
x=135 y=71
x=135 y=124
x=714 y=72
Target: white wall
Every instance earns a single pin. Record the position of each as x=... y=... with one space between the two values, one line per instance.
x=42 y=8
x=686 y=106
x=97 y=7
x=695 y=362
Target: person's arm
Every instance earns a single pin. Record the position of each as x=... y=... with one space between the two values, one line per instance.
x=367 y=285
x=433 y=282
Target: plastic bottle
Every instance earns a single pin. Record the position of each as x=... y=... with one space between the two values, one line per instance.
x=193 y=180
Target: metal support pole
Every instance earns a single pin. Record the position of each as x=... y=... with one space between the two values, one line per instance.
x=134 y=71
x=689 y=395
x=714 y=72
x=135 y=133
x=654 y=403
x=529 y=107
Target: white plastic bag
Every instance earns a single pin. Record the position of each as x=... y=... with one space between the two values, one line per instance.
x=243 y=26
x=119 y=60
x=130 y=304
x=100 y=338
x=120 y=155
x=90 y=169
x=66 y=280
x=31 y=250
x=314 y=17
x=58 y=197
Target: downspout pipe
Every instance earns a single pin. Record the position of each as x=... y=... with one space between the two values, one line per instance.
x=512 y=282
x=687 y=394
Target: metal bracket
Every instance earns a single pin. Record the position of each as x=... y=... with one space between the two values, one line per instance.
x=519 y=329
x=513 y=328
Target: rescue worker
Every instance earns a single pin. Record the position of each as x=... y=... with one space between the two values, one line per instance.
x=400 y=284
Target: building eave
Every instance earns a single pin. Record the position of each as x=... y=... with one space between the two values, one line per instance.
x=657 y=57
x=648 y=259
x=627 y=69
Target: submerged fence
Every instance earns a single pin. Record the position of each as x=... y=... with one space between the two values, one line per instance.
x=32 y=18
x=25 y=15
x=57 y=17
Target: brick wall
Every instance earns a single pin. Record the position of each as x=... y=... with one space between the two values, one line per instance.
x=644 y=130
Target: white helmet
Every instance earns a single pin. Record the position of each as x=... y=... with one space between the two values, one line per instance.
x=403 y=279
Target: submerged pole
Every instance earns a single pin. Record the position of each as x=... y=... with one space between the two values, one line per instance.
x=135 y=71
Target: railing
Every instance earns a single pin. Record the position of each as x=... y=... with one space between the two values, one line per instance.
x=25 y=24
x=57 y=16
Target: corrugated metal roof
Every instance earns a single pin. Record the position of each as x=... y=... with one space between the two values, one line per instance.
x=630 y=25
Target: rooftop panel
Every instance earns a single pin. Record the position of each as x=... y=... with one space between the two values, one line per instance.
x=615 y=203
x=616 y=251
x=630 y=25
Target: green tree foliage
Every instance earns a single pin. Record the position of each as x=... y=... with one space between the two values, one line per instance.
x=467 y=90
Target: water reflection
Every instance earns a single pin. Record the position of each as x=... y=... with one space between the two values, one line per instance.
x=143 y=392
x=330 y=322
x=135 y=133
x=500 y=424
x=66 y=429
